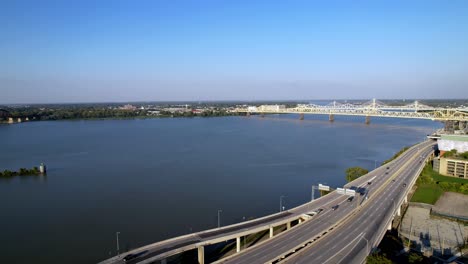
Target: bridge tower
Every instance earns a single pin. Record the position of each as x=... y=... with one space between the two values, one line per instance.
x=331 y=117
x=301 y=116
x=367 y=120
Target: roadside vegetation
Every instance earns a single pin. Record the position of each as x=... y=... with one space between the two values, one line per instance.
x=431 y=185
x=396 y=155
x=454 y=154
x=354 y=173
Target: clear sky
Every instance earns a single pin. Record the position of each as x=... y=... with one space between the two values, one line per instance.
x=91 y=51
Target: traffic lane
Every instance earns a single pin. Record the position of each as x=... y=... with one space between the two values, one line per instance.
x=326 y=250
x=352 y=231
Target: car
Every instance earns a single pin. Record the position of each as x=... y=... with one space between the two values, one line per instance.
x=388 y=168
x=319 y=210
x=393 y=180
x=404 y=184
x=386 y=172
x=350 y=198
x=335 y=207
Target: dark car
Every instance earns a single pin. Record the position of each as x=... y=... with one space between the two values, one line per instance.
x=350 y=198
x=319 y=210
x=388 y=168
x=335 y=207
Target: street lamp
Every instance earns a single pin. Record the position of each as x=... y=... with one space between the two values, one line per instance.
x=118 y=248
x=219 y=218
x=312 y=195
x=281 y=203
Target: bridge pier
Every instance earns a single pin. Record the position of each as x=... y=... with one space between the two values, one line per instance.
x=271 y=231
x=201 y=255
x=301 y=116
x=331 y=117
x=406 y=199
x=238 y=245
x=398 y=211
x=300 y=220
x=288 y=225
x=262 y=115
x=247 y=114
x=389 y=227
x=367 y=120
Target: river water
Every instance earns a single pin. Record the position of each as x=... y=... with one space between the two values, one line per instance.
x=157 y=178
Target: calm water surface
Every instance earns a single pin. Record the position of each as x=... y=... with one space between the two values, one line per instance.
x=157 y=178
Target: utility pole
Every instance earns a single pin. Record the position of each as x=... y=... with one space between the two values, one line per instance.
x=409 y=237
x=281 y=203
x=118 y=247
x=219 y=218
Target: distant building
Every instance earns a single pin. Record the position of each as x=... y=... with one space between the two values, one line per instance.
x=128 y=107
x=452 y=166
x=449 y=142
x=271 y=108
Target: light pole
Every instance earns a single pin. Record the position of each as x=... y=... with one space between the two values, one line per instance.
x=312 y=196
x=219 y=218
x=281 y=203
x=118 y=248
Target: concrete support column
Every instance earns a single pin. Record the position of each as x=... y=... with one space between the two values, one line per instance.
x=398 y=211
x=288 y=225
x=301 y=117
x=389 y=226
x=238 y=244
x=201 y=255
x=331 y=117
x=248 y=114
x=367 y=120
x=271 y=232
x=406 y=199
x=300 y=220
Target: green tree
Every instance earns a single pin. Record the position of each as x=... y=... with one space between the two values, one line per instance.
x=354 y=173
x=414 y=258
x=377 y=259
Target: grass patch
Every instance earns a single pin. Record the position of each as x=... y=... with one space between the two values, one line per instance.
x=431 y=185
x=441 y=178
x=427 y=193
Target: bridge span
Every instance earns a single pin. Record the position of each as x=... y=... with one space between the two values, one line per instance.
x=336 y=233
x=370 y=109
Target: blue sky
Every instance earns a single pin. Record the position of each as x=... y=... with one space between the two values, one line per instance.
x=88 y=51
